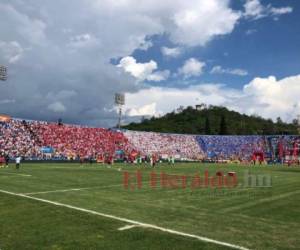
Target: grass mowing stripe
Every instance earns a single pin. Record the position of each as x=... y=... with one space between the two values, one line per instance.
x=253 y=203
x=145 y=225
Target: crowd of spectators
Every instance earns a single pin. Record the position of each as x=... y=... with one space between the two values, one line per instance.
x=277 y=146
x=17 y=137
x=230 y=147
x=147 y=143
x=72 y=141
x=27 y=138
x=215 y=147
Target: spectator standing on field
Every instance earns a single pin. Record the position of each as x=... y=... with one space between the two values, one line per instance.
x=18 y=162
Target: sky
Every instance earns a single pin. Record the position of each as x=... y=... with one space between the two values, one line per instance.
x=67 y=59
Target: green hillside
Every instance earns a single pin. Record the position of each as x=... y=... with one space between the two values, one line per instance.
x=213 y=120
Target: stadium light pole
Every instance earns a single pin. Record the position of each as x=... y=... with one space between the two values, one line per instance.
x=298 y=119
x=3 y=73
x=120 y=102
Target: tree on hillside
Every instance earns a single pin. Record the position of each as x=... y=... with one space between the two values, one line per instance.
x=207 y=126
x=295 y=122
x=279 y=121
x=223 y=126
x=208 y=120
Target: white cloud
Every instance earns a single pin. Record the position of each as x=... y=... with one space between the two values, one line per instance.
x=277 y=97
x=139 y=70
x=61 y=95
x=192 y=67
x=219 y=70
x=82 y=40
x=189 y=23
x=197 y=22
x=72 y=50
x=29 y=28
x=12 y=51
x=57 y=107
x=281 y=11
x=158 y=76
x=146 y=110
x=171 y=52
x=7 y=101
x=267 y=97
x=167 y=99
x=143 y=71
x=255 y=10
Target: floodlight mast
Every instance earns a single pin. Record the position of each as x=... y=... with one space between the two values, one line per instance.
x=3 y=73
x=120 y=102
x=120 y=116
x=298 y=120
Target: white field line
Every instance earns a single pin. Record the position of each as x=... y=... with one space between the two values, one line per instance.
x=129 y=221
x=57 y=191
x=26 y=175
x=76 y=189
x=85 y=167
x=71 y=189
x=127 y=227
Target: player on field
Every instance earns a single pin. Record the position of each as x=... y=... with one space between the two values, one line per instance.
x=6 y=160
x=18 y=162
x=1 y=160
x=81 y=160
x=153 y=160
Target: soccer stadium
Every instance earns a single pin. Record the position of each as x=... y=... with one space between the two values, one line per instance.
x=149 y=125
x=146 y=184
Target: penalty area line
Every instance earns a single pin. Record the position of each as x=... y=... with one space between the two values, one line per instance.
x=129 y=221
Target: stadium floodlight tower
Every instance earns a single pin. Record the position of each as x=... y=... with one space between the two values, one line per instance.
x=298 y=119
x=3 y=73
x=120 y=102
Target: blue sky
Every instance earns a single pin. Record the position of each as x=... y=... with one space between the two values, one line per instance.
x=262 y=47
x=241 y=54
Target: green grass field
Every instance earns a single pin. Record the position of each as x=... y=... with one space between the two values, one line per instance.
x=92 y=205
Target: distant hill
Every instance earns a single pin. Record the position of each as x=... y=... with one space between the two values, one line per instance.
x=213 y=120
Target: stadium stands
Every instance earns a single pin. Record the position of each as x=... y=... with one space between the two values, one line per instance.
x=149 y=143
x=71 y=141
x=226 y=147
x=26 y=138
x=18 y=138
x=30 y=138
